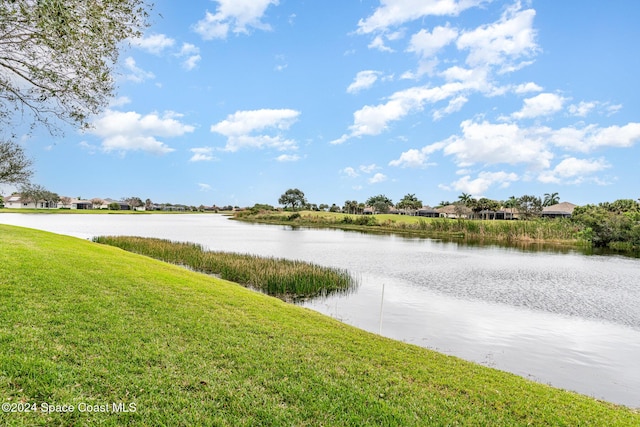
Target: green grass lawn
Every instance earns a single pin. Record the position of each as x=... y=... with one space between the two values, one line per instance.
x=88 y=324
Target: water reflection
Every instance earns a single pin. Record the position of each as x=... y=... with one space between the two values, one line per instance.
x=557 y=316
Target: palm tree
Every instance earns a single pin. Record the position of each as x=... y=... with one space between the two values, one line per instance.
x=465 y=198
x=352 y=206
x=551 y=199
x=511 y=204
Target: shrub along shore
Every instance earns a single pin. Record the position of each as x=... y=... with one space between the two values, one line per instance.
x=88 y=325
x=559 y=231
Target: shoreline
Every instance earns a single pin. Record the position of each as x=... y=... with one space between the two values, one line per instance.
x=139 y=326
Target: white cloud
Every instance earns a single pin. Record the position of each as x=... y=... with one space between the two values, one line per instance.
x=188 y=49
x=136 y=74
x=288 y=158
x=282 y=63
x=501 y=43
x=88 y=147
x=191 y=55
x=573 y=171
x=410 y=159
x=191 y=62
x=397 y=12
x=369 y=168
x=485 y=180
x=202 y=154
x=489 y=144
x=204 y=187
x=543 y=104
x=119 y=101
x=455 y=104
x=471 y=79
x=244 y=122
x=350 y=172
x=130 y=131
x=154 y=43
x=582 y=109
x=239 y=128
x=373 y=120
x=507 y=143
x=613 y=109
x=527 y=87
x=414 y=158
x=378 y=43
x=364 y=80
x=427 y=44
x=504 y=45
x=377 y=178
x=592 y=137
x=237 y=16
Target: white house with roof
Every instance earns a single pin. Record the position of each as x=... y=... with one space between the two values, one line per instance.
x=15 y=202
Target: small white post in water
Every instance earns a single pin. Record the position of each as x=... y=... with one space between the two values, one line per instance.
x=381 y=305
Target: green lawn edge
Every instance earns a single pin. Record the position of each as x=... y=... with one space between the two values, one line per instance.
x=88 y=324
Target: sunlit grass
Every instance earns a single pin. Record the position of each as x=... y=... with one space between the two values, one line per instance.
x=288 y=279
x=84 y=323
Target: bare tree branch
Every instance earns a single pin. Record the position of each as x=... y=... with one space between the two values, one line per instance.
x=58 y=56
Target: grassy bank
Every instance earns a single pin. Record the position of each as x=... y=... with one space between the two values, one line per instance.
x=88 y=324
x=283 y=278
x=559 y=231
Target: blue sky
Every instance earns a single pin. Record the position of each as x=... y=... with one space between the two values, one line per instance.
x=235 y=101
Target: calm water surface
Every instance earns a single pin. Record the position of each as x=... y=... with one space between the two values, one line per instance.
x=569 y=320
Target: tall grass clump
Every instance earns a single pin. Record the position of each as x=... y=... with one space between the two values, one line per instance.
x=286 y=279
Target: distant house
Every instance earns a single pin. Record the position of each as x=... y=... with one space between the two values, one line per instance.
x=428 y=212
x=450 y=211
x=15 y=202
x=81 y=204
x=489 y=214
x=560 y=210
x=124 y=206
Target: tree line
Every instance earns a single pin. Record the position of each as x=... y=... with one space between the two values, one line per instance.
x=527 y=206
x=609 y=224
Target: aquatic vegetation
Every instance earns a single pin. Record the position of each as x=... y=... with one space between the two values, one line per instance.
x=286 y=279
x=537 y=230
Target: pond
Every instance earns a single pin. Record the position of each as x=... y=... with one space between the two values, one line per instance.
x=562 y=318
